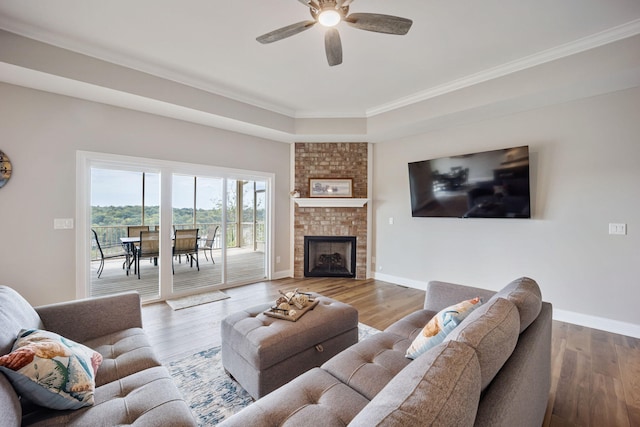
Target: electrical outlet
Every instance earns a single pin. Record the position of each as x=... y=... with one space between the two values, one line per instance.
x=617 y=228
x=277 y=260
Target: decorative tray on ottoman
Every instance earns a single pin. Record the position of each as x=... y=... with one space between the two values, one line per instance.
x=295 y=311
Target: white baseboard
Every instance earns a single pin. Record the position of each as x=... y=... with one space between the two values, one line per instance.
x=594 y=322
x=416 y=284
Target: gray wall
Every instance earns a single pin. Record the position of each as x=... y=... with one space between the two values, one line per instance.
x=585 y=170
x=586 y=173
x=41 y=132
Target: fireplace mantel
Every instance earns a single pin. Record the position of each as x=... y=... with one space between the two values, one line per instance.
x=322 y=202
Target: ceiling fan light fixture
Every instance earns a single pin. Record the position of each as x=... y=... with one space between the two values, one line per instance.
x=329 y=17
x=330 y=13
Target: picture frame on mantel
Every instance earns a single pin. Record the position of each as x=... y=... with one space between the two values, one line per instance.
x=330 y=187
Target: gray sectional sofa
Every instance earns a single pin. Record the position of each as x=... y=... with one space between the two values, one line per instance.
x=493 y=369
x=131 y=386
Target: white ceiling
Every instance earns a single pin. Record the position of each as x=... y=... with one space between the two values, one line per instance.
x=211 y=45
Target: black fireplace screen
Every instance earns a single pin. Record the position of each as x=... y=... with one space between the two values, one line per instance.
x=329 y=256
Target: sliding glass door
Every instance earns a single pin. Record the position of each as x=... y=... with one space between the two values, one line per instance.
x=123 y=203
x=197 y=205
x=225 y=213
x=245 y=226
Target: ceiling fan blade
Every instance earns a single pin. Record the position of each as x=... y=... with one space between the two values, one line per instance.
x=378 y=23
x=333 y=47
x=310 y=4
x=284 y=32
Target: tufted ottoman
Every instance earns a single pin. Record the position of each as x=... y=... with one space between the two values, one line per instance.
x=262 y=353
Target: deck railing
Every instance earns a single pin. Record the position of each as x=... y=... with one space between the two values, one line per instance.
x=109 y=237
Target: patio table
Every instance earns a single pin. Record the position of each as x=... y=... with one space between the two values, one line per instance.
x=129 y=243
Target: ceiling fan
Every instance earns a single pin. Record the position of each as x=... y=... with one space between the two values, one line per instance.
x=330 y=13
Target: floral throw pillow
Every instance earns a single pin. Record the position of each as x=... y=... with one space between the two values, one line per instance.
x=50 y=370
x=440 y=325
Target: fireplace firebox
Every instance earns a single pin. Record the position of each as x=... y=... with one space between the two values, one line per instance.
x=329 y=256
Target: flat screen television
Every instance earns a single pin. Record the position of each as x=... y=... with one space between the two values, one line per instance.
x=489 y=184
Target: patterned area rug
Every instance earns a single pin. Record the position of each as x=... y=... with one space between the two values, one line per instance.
x=212 y=394
x=191 y=300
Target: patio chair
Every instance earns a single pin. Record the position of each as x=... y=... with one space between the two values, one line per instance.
x=149 y=247
x=104 y=255
x=174 y=236
x=186 y=243
x=134 y=231
x=208 y=244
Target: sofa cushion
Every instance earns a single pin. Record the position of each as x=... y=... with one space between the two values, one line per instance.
x=313 y=398
x=525 y=294
x=147 y=398
x=11 y=413
x=50 y=370
x=124 y=353
x=440 y=325
x=492 y=330
x=15 y=314
x=441 y=387
x=370 y=364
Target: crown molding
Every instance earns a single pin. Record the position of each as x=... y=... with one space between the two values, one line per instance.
x=138 y=64
x=342 y=127
x=611 y=35
x=620 y=32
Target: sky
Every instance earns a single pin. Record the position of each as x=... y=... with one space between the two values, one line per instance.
x=123 y=188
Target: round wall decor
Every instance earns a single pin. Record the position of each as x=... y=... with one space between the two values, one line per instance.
x=5 y=169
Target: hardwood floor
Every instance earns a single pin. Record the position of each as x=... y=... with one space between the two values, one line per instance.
x=595 y=378
x=176 y=334
x=595 y=375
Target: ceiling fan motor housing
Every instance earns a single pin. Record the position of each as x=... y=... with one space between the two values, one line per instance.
x=323 y=5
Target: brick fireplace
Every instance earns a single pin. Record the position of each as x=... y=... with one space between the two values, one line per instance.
x=331 y=160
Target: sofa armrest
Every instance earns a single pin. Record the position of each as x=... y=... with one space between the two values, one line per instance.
x=84 y=319
x=442 y=294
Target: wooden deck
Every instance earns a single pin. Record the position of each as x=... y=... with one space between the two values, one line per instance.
x=243 y=266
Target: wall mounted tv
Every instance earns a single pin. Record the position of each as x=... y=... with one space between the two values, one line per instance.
x=490 y=184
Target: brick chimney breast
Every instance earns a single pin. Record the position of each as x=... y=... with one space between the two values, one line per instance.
x=331 y=160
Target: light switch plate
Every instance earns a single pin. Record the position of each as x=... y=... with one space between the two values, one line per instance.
x=63 y=223
x=617 y=228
